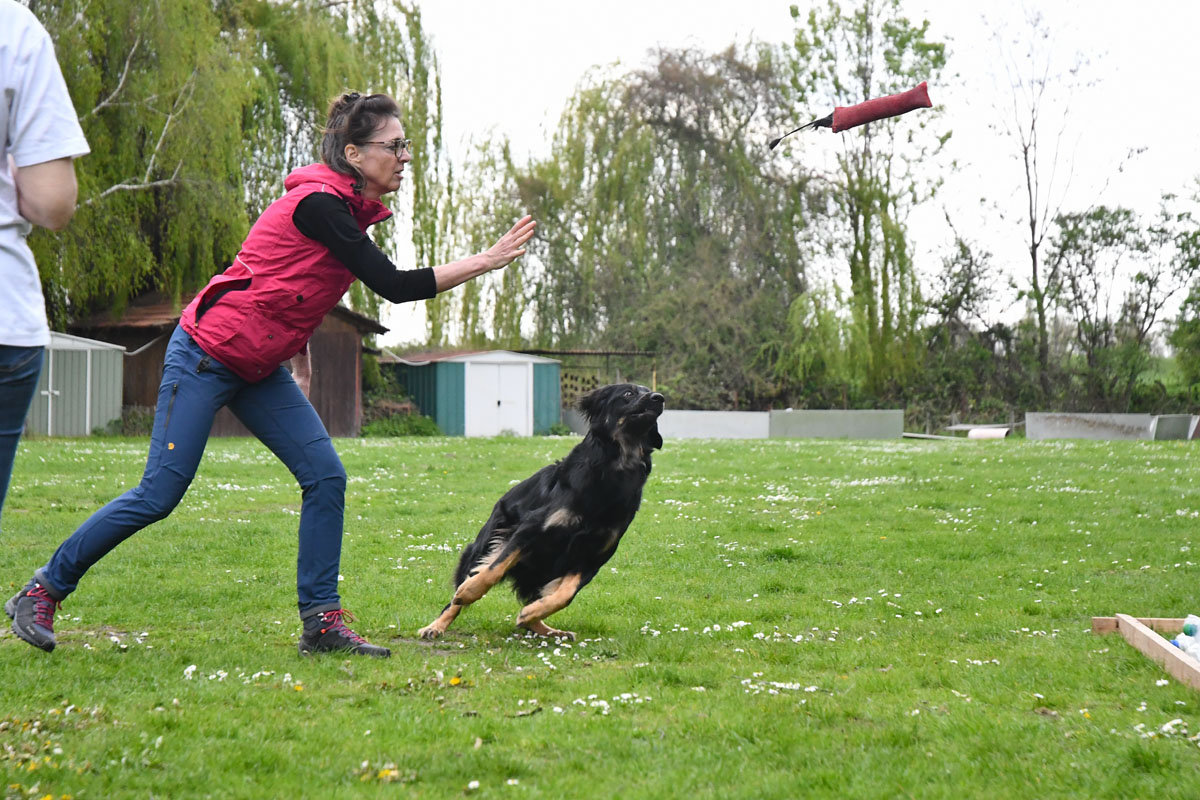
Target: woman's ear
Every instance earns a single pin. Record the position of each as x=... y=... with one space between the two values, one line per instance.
x=353 y=156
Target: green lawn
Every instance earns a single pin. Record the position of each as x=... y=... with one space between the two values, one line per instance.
x=784 y=619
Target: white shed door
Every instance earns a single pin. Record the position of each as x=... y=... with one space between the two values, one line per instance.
x=498 y=400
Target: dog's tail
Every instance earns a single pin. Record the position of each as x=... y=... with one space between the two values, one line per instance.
x=465 y=562
x=478 y=553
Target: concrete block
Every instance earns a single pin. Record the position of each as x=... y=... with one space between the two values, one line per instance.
x=714 y=424
x=1049 y=425
x=1172 y=426
x=837 y=424
x=575 y=421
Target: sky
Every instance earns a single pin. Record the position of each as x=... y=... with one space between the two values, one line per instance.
x=508 y=69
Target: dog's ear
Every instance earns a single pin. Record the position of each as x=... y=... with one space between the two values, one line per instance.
x=654 y=438
x=591 y=405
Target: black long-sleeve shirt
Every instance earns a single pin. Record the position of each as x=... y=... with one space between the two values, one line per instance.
x=326 y=218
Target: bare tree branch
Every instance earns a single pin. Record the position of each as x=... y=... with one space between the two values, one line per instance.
x=108 y=101
x=181 y=102
x=136 y=187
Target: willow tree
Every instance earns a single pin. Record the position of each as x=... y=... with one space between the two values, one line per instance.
x=665 y=226
x=160 y=96
x=490 y=310
x=195 y=110
x=841 y=58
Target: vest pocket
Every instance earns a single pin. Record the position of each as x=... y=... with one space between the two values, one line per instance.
x=264 y=341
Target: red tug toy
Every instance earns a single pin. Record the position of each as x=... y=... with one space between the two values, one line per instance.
x=845 y=118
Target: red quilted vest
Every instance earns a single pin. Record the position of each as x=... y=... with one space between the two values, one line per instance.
x=262 y=310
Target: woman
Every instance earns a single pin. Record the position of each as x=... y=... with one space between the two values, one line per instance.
x=296 y=263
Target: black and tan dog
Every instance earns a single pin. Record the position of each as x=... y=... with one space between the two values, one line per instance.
x=551 y=533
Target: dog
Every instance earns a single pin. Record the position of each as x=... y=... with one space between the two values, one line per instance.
x=550 y=534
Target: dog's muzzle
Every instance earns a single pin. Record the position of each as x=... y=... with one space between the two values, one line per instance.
x=652 y=403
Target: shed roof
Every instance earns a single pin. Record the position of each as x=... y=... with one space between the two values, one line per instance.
x=65 y=341
x=155 y=312
x=420 y=359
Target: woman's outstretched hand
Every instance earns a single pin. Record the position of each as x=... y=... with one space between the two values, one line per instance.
x=511 y=245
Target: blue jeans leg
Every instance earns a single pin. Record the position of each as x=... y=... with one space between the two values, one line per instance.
x=20 y=368
x=193 y=389
x=277 y=412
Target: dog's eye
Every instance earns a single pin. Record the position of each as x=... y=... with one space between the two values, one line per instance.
x=628 y=393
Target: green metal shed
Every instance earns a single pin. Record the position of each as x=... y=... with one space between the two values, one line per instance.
x=80 y=387
x=484 y=393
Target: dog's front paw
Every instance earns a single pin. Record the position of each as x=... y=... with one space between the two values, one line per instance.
x=431 y=631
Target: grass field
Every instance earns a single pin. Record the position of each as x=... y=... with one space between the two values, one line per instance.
x=784 y=619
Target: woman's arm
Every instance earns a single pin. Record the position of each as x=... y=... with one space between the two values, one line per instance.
x=326 y=218
x=509 y=248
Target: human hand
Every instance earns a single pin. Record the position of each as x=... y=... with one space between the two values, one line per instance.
x=302 y=371
x=511 y=245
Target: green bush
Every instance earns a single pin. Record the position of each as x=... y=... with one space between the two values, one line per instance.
x=135 y=421
x=402 y=425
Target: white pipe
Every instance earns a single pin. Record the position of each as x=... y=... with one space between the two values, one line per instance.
x=50 y=396
x=87 y=394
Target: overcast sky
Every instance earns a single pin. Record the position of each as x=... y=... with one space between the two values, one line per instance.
x=509 y=67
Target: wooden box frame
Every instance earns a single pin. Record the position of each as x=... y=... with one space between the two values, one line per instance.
x=1141 y=633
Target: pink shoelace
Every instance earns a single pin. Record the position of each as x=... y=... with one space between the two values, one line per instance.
x=44 y=607
x=336 y=621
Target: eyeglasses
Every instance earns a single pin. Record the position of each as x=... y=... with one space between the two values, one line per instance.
x=396 y=146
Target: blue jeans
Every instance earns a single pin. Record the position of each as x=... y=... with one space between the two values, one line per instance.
x=195 y=386
x=19 y=371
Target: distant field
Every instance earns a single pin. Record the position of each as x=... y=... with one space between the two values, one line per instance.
x=784 y=619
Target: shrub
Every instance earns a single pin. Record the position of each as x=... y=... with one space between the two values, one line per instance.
x=401 y=425
x=135 y=421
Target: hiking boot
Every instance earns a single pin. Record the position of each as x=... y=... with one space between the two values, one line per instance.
x=32 y=611
x=327 y=632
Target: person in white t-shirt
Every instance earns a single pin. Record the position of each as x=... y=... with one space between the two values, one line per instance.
x=39 y=137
